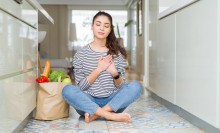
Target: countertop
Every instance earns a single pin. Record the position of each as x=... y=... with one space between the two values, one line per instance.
x=179 y=5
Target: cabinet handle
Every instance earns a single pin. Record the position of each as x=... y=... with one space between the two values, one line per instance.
x=18 y=1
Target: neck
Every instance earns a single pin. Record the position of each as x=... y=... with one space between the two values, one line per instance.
x=100 y=42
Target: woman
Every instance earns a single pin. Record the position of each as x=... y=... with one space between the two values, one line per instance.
x=99 y=67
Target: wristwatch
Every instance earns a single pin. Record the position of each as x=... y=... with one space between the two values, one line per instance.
x=117 y=76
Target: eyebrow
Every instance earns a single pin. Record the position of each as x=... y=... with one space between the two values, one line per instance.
x=101 y=22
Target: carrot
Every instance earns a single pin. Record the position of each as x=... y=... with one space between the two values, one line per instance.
x=46 y=69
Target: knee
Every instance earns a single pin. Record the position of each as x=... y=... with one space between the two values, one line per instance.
x=68 y=90
x=136 y=86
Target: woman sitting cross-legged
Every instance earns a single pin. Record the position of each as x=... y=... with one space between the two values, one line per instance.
x=101 y=89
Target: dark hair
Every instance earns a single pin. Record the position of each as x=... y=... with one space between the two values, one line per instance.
x=112 y=43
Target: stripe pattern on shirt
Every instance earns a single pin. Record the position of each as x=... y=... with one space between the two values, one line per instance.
x=85 y=61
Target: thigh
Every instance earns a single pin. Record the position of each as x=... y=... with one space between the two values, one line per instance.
x=129 y=91
x=127 y=94
x=78 y=99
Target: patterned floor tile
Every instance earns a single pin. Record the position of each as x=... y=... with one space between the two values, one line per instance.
x=92 y=131
x=69 y=124
x=63 y=131
x=98 y=124
x=148 y=116
x=124 y=131
x=185 y=130
x=119 y=125
x=35 y=126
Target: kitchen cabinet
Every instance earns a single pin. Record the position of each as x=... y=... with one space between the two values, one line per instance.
x=197 y=64
x=18 y=61
x=184 y=59
x=166 y=59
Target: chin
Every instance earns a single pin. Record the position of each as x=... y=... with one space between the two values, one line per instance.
x=101 y=37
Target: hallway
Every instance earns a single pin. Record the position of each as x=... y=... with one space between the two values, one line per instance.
x=148 y=116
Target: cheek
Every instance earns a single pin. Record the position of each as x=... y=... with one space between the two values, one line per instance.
x=94 y=30
x=108 y=31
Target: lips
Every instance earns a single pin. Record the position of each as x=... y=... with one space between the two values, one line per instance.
x=101 y=33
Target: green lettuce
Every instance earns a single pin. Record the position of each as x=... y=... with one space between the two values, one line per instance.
x=55 y=74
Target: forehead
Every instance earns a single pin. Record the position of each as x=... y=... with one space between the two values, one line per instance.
x=103 y=19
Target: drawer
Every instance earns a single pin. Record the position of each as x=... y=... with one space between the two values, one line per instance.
x=11 y=44
x=18 y=45
x=17 y=100
x=30 y=48
x=23 y=11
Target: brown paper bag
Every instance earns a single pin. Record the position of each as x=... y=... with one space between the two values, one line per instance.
x=50 y=103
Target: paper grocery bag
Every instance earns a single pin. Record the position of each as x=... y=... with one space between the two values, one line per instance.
x=50 y=103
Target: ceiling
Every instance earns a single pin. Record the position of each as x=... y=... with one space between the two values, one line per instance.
x=87 y=2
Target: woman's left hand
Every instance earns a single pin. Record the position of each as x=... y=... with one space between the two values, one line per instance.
x=112 y=69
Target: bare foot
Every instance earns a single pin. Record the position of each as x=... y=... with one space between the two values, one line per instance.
x=120 y=117
x=87 y=117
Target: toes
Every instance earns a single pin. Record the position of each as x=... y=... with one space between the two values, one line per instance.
x=129 y=117
x=86 y=114
x=86 y=117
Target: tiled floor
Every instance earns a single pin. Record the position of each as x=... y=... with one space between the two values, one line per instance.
x=148 y=116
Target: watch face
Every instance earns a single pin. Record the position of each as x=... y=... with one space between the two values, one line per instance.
x=116 y=77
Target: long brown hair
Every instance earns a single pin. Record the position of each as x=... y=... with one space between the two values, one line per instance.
x=112 y=43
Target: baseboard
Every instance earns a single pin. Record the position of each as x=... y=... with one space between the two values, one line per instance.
x=185 y=114
x=23 y=124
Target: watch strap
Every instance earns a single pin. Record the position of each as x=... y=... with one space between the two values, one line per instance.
x=117 y=76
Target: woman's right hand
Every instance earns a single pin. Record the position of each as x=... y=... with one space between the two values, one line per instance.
x=104 y=63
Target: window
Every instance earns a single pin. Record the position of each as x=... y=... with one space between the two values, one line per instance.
x=83 y=20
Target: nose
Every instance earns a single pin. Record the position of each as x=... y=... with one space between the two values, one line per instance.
x=102 y=27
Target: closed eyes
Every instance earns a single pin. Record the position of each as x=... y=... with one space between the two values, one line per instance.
x=106 y=24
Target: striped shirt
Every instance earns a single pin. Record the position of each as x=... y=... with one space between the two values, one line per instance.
x=85 y=61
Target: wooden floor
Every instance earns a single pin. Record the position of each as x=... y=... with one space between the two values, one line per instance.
x=132 y=75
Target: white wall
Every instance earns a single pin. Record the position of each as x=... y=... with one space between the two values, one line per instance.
x=56 y=40
x=184 y=58
x=138 y=41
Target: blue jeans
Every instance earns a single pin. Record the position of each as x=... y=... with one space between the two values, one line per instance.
x=118 y=101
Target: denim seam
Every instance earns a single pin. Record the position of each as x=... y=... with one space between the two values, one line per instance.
x=91 y=112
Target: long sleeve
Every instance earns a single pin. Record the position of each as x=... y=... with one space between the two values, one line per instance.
x=80 y=77
x=85 y=62
x=121 y=64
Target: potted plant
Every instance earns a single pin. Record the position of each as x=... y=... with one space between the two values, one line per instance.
x=118 y=31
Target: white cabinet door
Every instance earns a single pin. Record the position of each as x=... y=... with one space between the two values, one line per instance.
x=18 y=45
x=18 y=63
x=29 y=48
x=166 y=59
x=196 y=86
x=11 y=44
x=17 y=100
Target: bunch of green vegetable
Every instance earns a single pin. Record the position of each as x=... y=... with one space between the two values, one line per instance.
x=55 y=74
